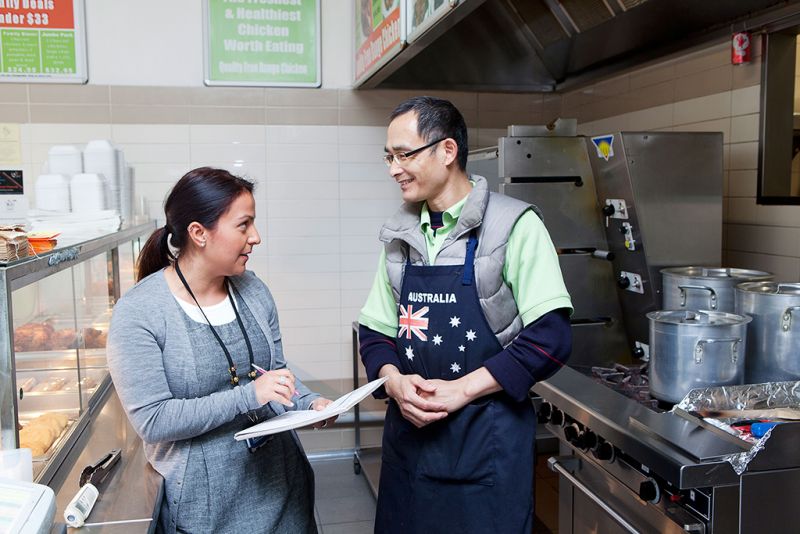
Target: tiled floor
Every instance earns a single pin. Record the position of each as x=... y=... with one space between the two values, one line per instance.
x=345 y=505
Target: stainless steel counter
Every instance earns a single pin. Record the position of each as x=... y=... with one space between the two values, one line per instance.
x=132 y=492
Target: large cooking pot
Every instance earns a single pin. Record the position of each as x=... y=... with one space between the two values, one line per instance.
x=773 y=338
x=704 y=288
x=695 y=349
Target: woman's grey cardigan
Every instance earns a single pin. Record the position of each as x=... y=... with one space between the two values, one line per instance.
x=151 y=364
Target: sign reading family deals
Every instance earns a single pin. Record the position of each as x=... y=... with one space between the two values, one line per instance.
x=262 y=42
x=42 y=41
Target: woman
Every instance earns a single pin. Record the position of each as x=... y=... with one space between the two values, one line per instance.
x=183 y=348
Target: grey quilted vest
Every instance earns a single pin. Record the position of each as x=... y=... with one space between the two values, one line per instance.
x=494 y=216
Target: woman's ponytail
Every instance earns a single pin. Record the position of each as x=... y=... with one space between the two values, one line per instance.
x=155 y=254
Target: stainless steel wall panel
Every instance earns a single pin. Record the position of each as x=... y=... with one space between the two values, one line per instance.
x=484 y=163
x=671 y=183
x=570 y=213
x=590 y=284
x=677 y=182
x=599 y=343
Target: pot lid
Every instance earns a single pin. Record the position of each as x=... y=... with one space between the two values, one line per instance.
x=771 y=288
x=698 y=318
x=717 y=273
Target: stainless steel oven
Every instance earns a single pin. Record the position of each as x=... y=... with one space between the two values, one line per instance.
x=628 y=467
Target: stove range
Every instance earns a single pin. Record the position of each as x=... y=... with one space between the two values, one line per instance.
x=630 y=380
x=626 y=464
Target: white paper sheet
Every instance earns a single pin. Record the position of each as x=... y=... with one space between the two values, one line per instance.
x=297 y=419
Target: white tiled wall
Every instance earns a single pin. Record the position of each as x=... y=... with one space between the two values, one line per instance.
x=321 y=195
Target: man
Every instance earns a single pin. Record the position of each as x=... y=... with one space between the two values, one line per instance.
x=468 y=310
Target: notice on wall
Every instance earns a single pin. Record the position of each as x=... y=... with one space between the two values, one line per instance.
x=262 y=42
x=10 y=145
x=379 y=35
x=42 y=41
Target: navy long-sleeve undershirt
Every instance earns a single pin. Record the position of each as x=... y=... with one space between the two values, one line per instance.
x=539 y=350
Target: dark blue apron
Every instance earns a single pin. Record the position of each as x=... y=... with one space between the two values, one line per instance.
x=473 y=470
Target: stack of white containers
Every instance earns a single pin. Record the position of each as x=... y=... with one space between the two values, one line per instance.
x=53 y=189
x=100 y=158
x=92 y=181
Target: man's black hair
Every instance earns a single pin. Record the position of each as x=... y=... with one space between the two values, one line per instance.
x=437 y=118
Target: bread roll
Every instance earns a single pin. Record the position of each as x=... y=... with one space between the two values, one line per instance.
x=59 y=419
x=37 y=438
x=53 y=384
x=37 y=448
x=27 y=384
x=40 y=433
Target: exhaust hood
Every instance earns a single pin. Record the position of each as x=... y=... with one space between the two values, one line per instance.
x=550 y=45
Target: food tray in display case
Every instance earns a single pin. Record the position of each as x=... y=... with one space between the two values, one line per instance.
x=56 y=309
x=52 y=427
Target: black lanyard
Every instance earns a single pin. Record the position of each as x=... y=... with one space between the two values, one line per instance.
x=231 y=365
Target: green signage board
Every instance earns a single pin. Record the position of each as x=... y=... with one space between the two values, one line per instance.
x=42 y=41
x=262 y=42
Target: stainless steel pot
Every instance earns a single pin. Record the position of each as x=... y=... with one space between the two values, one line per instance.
x=694 y=349
x=773 y=338
x=705 y=288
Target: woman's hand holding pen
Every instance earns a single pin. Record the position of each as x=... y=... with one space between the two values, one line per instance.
x=276 y=385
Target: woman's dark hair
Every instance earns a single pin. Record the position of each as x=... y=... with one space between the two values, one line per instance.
x=437 y=118
x=201 y=195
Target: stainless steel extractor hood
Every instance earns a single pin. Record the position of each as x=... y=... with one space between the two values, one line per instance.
x=548 y=45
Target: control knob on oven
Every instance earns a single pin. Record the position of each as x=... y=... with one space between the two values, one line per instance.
x=572 y=434
x=543 y=414
x=603 y=450
x=556 y=416
x=588 y=440
x=649 y=491
x=623 y=281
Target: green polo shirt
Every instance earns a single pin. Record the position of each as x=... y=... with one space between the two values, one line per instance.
x=531 y=270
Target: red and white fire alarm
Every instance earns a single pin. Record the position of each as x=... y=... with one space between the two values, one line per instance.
x=740 y=48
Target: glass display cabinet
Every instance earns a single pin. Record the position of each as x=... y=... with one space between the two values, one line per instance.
x=55 y=310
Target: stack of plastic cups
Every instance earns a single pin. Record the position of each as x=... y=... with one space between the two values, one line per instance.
x=126 y=195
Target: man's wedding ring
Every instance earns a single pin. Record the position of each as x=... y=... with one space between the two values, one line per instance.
x=282 y=380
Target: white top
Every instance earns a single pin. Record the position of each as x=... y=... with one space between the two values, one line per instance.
x=218 y=314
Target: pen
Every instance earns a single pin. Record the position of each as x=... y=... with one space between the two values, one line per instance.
x=260 y=370
x=263 y=371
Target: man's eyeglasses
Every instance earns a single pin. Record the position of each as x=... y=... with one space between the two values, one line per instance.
x=402 y=157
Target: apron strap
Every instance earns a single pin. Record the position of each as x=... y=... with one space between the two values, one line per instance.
x=469 y=259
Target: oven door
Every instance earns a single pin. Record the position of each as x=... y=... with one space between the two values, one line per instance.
x=591 y=500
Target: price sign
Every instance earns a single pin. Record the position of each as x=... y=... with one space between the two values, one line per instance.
x=42 y=41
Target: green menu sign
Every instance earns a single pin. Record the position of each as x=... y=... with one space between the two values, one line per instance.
x=262 y=42
x=42 y=41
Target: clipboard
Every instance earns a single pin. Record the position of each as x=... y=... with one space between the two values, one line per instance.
x=300 y=418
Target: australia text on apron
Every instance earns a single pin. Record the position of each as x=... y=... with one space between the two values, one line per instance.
x=472 y=471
